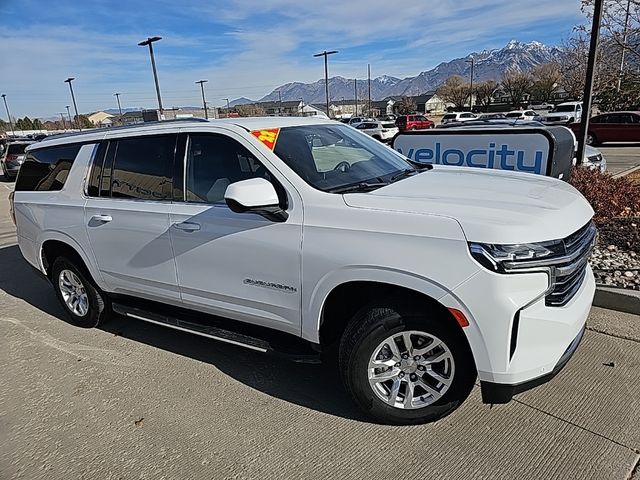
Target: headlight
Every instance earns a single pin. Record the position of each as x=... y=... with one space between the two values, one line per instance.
x=513 y=258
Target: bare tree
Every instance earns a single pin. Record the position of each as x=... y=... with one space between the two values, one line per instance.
x=516 y=84
x=484 y=92
x=546 y=77
x=406 y=106
x=454 y=90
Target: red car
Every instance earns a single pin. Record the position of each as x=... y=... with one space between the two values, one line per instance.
x=612 y=127
x=414 y=122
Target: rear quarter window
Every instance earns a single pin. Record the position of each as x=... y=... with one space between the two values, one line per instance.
x=17 y=148
x=46 y=169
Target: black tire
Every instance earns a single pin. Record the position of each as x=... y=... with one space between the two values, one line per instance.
x=377 y=137
x=592 y=139
x=375 y=323
x=98 y=303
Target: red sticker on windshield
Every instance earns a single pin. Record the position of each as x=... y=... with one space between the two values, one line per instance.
x=268 y=136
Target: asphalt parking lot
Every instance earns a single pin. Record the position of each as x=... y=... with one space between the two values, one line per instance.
x=621 y=157
x=134 y=400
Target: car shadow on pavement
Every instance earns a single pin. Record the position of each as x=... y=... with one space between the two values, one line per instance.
x=313 y=386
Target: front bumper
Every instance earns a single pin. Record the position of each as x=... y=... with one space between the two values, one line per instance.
x=503 y=393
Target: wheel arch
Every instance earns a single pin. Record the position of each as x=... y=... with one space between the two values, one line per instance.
x=56 y=244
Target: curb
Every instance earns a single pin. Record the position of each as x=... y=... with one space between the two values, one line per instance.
x=619 y=299
x=626 y=172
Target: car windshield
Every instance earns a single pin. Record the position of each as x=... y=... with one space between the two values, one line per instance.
x=332 y=158
x=565 y=108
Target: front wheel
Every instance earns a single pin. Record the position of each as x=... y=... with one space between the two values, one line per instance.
x=81 y=299
x=406 y=365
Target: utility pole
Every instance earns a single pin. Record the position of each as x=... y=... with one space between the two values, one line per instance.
x=64 y=125
x=472 y=62
x=355 y=92
x=625 y=32
x=369 y=80
x=149 y=41
x=69 y=115
x=73 y=98
x=280 y=105
x=117 y=95
x=204 y=101
x=588 y=85
x=302 y=107
x=4 y=97
x=326 y=54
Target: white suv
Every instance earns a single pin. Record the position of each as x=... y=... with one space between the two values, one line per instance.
x=383 y=131
x=564 y=114
x=304 y=236
x=458 y=117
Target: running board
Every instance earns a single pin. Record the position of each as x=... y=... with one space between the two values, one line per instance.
x=296 y=350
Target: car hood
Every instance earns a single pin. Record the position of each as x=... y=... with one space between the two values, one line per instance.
x=492 y=206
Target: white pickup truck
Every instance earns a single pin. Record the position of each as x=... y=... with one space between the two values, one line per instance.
x=308 y=237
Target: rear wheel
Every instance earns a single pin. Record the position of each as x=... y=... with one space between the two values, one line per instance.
x=377 y=137
x=591 y=139
x=405 y=365
x=81 y=299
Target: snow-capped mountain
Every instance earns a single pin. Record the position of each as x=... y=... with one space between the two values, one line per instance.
x=488 y=65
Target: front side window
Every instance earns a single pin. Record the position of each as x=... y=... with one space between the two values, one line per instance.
x=216 y=161
x=332 y=157
x=46 y=169
x=142 y=167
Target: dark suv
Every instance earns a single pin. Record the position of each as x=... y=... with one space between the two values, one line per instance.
x=414 y=122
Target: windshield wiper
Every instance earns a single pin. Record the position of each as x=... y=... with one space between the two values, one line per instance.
x=358 y=187
x=407 y=172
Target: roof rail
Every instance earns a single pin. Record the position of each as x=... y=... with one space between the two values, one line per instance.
x=126 y=127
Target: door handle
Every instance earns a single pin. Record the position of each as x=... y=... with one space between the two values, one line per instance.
x=101 y=218
x=187 y=226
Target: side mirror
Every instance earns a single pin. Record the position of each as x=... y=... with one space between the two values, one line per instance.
x=255 y=195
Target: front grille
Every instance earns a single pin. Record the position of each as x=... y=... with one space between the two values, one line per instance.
x=569 y=272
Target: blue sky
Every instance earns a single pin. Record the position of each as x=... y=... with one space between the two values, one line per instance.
x=243 y=47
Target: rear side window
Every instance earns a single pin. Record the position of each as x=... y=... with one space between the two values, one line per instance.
x=46 y=169
x=142 y=168
x=17 y=148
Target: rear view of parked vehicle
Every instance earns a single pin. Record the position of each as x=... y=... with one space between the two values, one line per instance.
x=383 y=131
x=13 y=158
x=458 y=117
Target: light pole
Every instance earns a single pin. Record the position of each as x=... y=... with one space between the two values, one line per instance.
x=369 y=80
x=355 y=91
x=69 y=115
x=73 y=98
x=302 y=107
x=625 y=33
x=4 y=97
x=204 y=101
x=228 y=107
x=64 y=125
x=588 y=84
x=326 y=54
x=472 y=62
x=117 y=95
x=149 y=41
x=280 y=103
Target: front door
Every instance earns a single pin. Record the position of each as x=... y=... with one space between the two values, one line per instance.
x=127 y=216
x=237 y=265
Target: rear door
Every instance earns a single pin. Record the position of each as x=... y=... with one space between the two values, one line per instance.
x=127 y=215
x=633 y=128
x=237 y=265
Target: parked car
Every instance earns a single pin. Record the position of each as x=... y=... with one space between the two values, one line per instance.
x=521 y=115
x=593 y=159
x=414 y=122
x=309 y=236
x=458 y=117
x=13 y=157
x=383 y=131
x=353 y=121
x=563 y=114
x=492 y=116
x=541 y=106
x=612 y=127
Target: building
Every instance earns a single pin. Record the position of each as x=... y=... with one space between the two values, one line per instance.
x=100 y=119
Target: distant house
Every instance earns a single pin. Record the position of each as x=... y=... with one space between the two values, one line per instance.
x=100 y=119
